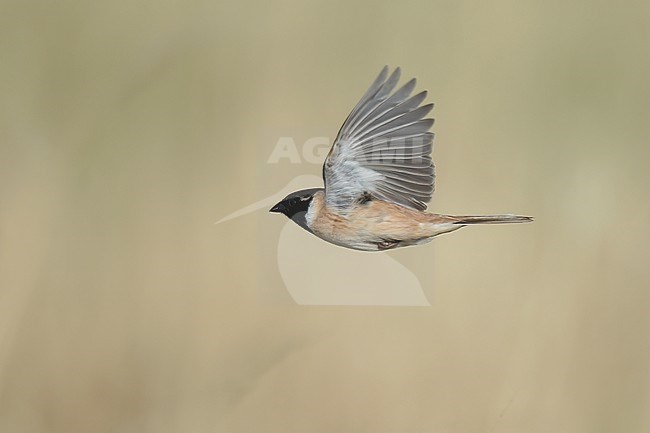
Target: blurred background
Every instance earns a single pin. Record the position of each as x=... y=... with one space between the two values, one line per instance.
x=128 y=127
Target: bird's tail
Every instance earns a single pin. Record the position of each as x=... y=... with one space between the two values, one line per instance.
x=491 y=219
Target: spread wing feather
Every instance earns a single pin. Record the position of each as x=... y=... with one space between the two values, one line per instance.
x=383 y=148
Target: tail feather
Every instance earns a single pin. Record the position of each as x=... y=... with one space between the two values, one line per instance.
x=491 y=219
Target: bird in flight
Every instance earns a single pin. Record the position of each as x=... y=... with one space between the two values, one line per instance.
x=379 y=177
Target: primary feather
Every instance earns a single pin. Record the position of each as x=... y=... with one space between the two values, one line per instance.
x=383 y=148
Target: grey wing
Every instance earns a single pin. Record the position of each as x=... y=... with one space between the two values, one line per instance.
x=383 y=148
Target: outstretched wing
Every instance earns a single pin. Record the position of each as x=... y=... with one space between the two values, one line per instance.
x=383 y=148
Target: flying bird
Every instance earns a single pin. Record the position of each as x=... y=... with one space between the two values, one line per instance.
x=379 y=177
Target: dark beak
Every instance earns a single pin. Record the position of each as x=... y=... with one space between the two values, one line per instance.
x=279 y=208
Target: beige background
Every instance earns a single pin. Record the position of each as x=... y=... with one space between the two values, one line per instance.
x=128 y=127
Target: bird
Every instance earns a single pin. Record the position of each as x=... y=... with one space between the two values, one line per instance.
x=379 y=176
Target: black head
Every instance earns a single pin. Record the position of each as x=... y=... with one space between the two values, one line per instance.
x=295 y=203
